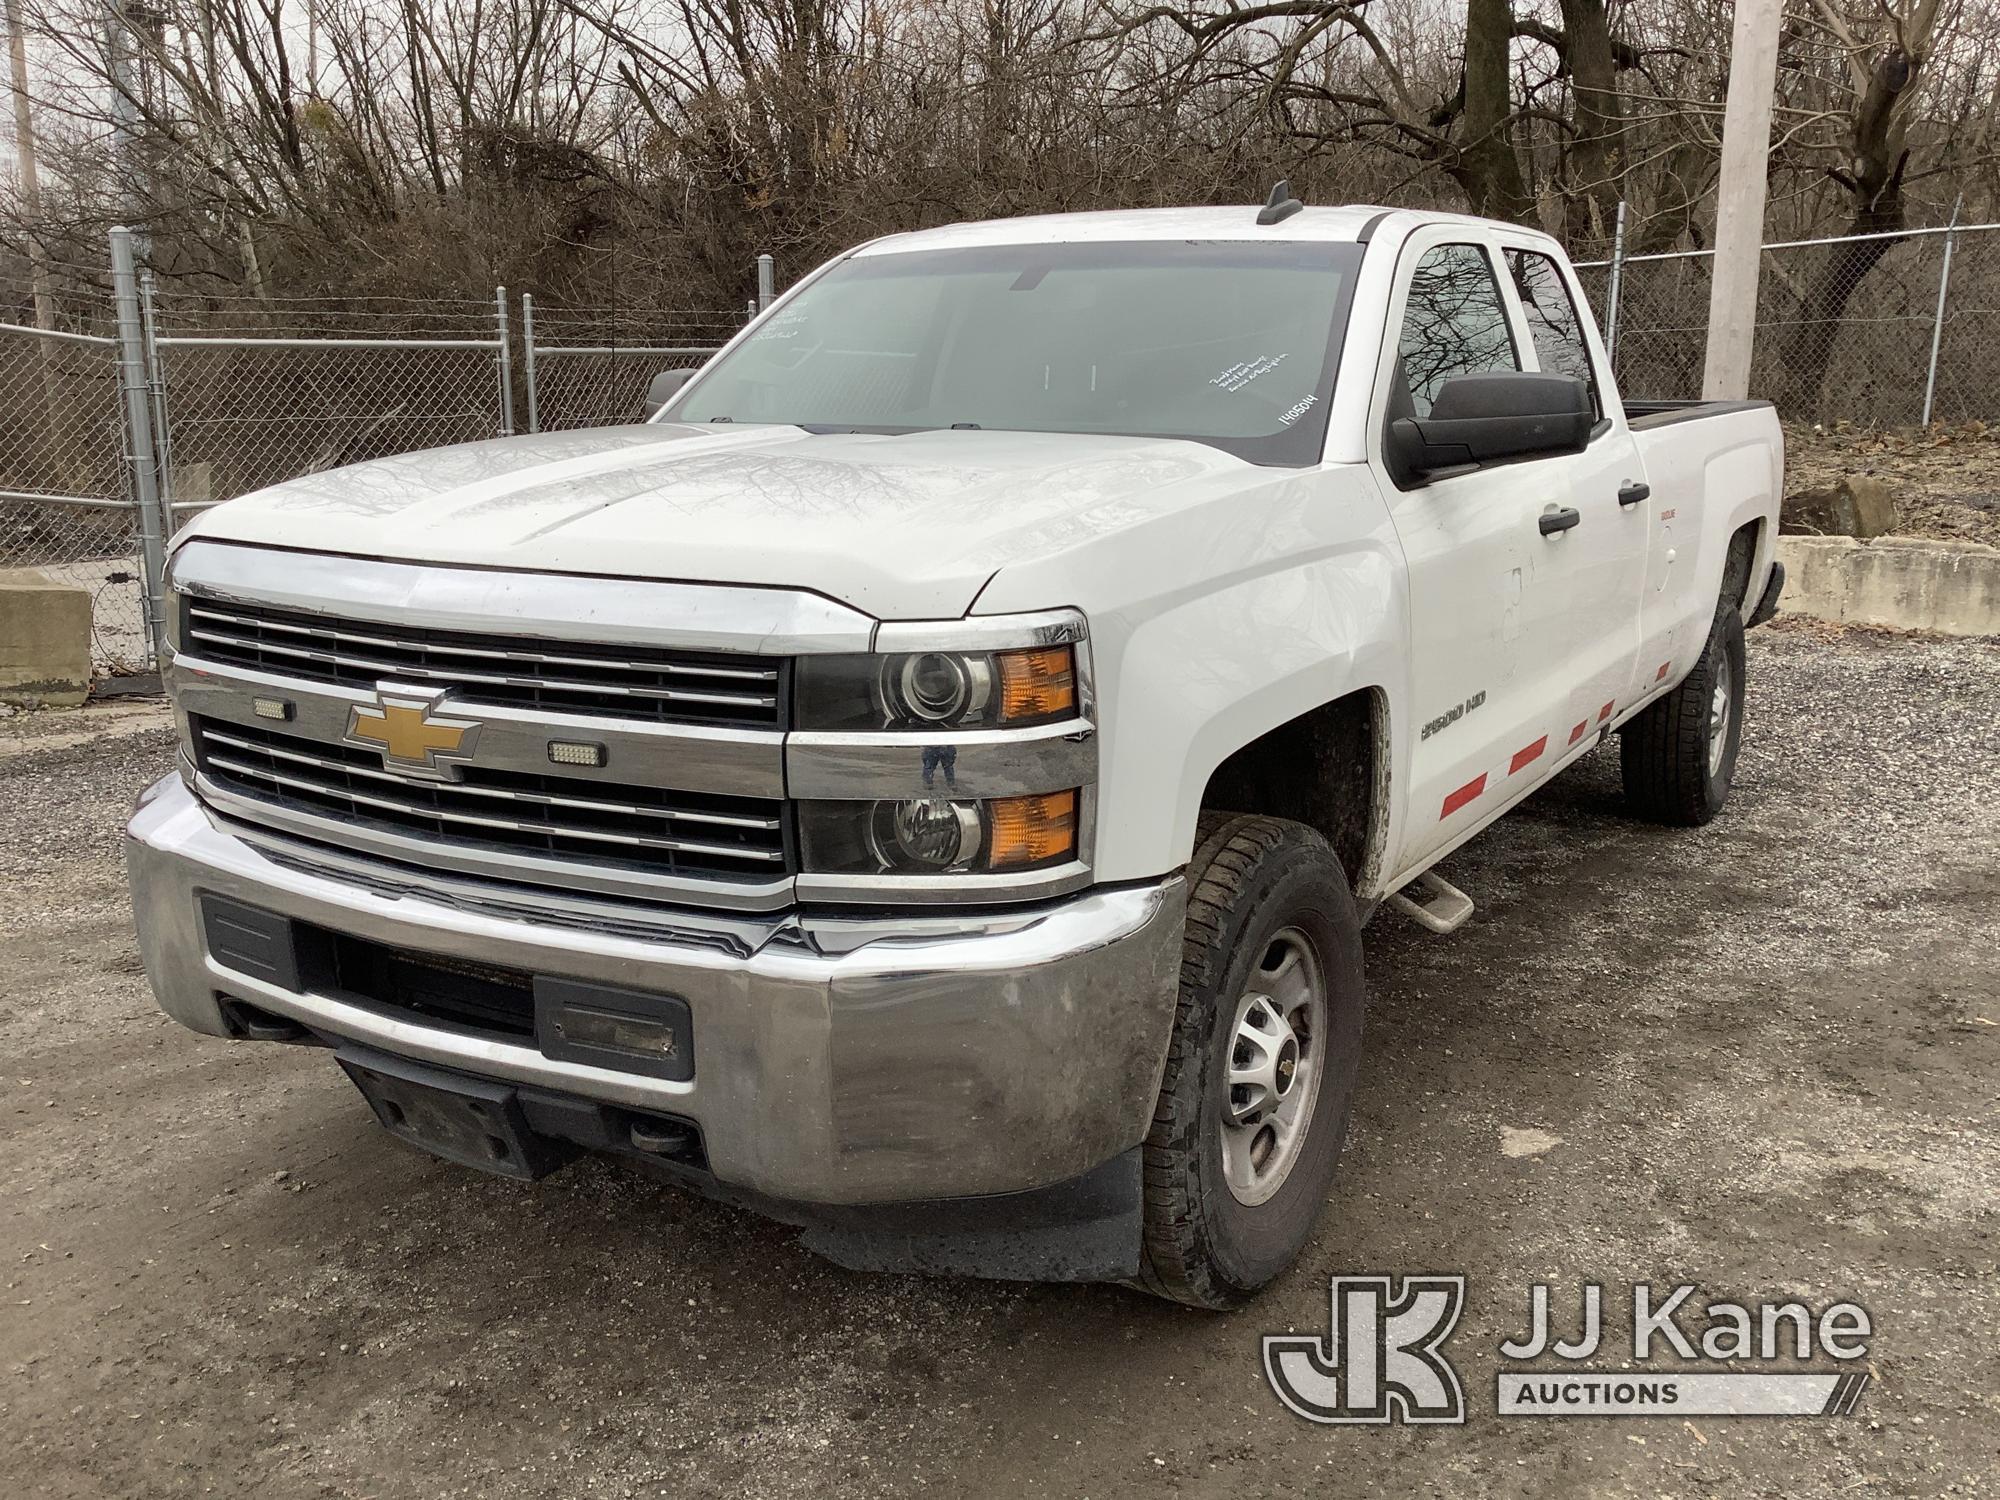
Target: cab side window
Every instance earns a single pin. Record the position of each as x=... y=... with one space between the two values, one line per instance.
x=1454 y=323
x=1553 y=321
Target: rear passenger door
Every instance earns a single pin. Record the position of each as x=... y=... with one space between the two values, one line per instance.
x=1481 y=686
x=1587 y=581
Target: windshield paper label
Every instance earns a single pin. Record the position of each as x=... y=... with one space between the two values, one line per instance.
x=1243 y=372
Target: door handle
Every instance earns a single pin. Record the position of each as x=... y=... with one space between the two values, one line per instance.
x=1559 y=520
x=1633 y=491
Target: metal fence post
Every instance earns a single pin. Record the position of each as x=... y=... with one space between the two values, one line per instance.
x=139 y=455
x=506 y=364
x=750 y=311
x=156 y=385
x=767 y=281
x=528 y=358
x=1612 y=291
x=1937 y=322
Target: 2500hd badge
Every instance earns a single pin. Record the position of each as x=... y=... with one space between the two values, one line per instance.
x=1453 y=714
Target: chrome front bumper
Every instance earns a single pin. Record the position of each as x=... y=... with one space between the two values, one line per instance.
x=853 y=1062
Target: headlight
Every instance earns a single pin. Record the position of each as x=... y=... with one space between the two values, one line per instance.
x=931 y=690
x=939 y=835
x=956 y=761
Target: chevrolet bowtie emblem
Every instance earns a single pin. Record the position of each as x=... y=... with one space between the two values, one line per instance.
x=412 y=736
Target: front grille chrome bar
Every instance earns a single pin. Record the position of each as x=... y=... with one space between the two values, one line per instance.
x=478 y=820
x=363 y=667
x=484 y=653
x=643 y=683
x=511 y=825
x=540 y=799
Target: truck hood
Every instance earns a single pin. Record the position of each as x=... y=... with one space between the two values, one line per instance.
x=907 y=527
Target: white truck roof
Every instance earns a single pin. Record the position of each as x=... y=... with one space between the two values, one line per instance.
x=1238 y=222
x=1343 y=224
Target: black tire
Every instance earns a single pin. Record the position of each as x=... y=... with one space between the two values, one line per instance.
x=1251 y=879
x=1664 y=752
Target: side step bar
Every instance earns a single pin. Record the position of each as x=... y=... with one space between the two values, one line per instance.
x=1445 y=911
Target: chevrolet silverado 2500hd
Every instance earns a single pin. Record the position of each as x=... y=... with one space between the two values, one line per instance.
x=928 y=781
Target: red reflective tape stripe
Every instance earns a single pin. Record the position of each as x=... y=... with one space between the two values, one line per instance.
x=1527 y=753
x=1604 y=713
x=1661 y=675
x=1464 y=795
x=1577 y=733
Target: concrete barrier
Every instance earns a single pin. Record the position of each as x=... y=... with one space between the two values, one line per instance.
x=44 y=641
x=1907 y=583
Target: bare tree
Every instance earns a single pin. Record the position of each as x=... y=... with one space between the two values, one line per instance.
x=1863 y=66
x=601 y=151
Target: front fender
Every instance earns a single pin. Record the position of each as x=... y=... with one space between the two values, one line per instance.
x=1194 y=684
x=1226 y=606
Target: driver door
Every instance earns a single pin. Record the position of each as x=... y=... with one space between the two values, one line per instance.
x=1484 y=681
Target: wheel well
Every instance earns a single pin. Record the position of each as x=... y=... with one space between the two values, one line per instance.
x=1736 y=565
x=1328 y=769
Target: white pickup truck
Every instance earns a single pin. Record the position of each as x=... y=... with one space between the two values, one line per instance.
x=929 y=780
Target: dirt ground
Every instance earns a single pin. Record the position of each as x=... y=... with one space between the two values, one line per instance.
x=1766 y=1049
x=1946 y=480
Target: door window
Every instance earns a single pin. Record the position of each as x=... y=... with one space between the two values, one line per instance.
x=1553 y=321
x=1454 y=323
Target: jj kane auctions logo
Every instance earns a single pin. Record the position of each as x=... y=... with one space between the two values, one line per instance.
x=1383 y=1358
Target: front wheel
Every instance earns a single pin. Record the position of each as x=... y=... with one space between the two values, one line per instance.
x=1679 y=756
x=1260 y=1072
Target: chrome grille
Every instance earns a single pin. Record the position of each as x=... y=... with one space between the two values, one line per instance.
x=633 y=682
x=564 y=817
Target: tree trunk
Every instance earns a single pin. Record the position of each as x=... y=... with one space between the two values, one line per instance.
x=1595 y=172
x=1875 y=187
x=1486 y=166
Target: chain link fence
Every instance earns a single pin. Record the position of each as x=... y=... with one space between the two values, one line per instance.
x=590 y=367
x=1873 y=330
x=251 y=392
x=64 y=507
x=232 y=393
x=245 y=412
x=61 y=451
x=236 y=393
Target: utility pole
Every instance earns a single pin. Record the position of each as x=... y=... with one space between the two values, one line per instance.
x=1739 y=199
x=124 y=114
x=31 y=182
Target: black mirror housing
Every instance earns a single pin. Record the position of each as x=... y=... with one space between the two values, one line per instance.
x=666 y=385
x=1479 y=419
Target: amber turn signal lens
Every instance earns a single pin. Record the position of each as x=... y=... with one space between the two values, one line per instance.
x=1037 y=684
x=1032 y=830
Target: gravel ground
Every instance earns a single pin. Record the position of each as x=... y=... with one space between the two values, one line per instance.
x=1764 y=1053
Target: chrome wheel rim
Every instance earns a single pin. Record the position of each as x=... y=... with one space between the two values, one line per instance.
x=1718 y=716
x=1273 y=1070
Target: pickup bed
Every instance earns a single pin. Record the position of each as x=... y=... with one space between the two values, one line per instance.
x=928 y=782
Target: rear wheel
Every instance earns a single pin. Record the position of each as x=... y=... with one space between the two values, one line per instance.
x=1679 y=756
x=1260 y=1073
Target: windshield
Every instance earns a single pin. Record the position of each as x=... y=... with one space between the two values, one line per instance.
x=1232 y=344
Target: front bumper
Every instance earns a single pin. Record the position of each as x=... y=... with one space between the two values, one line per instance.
x=849 y=1063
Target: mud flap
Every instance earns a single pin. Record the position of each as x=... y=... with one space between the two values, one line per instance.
x=1768 y=605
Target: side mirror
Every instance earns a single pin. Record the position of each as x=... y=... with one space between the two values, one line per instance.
x=1478 y=419
x=666 y=385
